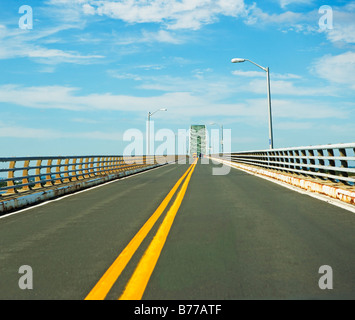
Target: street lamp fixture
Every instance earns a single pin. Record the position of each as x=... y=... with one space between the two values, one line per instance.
x=237 y=60
x=267 y=70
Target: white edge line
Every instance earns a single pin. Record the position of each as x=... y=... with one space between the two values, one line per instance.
x=321 y=197
x=78 y=192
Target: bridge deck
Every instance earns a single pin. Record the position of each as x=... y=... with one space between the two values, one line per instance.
x=234 y=237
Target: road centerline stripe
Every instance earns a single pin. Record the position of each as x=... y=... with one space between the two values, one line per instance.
x=104 y=285
x=140 y=278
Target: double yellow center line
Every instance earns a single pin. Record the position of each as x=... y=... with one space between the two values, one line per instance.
x=138 y=282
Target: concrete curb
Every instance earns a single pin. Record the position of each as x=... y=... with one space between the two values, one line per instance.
x=334 y=192
x=50 y=193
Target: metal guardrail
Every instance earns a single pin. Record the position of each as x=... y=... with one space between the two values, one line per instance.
x=333 y=162
x=30 y=173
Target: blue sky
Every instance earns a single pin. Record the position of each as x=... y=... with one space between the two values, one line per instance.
x=90 y=70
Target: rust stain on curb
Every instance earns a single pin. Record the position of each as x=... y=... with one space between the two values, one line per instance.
x=334 y=192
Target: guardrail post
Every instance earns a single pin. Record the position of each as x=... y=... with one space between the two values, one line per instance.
x=25 y=177
x=116 y=164
x=120 y=163
x=66 y=173
x=277 y=159
x=113 y=164
x=297 y=160
x=104 y=165
x=268 y=154
x=57 y=170
x=286 y=160
x=49 y=173
x=96 y=166
x=109 y=165
x=73 y=167
x=101 y=163
x=304 y=161
x=344 y=163
x=331 y=161
x=105 y=168
x=312 y=161
x=11 y=175
x=321 y=162
x=80 y=176
x=86 y=168
x=38 y=178
x=92 y=174
x=292 y=159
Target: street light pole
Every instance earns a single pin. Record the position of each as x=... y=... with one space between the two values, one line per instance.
x=148 y=134
x=213 y=123
x=222 y=139
x=271 y=138
x=267 y=70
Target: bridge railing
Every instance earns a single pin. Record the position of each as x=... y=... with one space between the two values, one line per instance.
x=333 y=162
x=29 y=173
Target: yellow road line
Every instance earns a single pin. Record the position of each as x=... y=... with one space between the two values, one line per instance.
x=104 y=285
x=140 y=278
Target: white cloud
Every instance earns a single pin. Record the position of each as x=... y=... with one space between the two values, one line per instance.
x=345 y=33
x=58 y=55
x=307 y=109
x=282 y=87
x=343 y=24
x=84 y=120
x=287 y=21
x=180 y=103
x=160 y=36
x=285 y=3
x=294 y=125
x=88 y=9
x=185 y=14
x=337 y=69
x=308 y=22
x=124 y=76
x=21 y=44
x=35 y=133
x=249 y=74
x=257 y=16
x=51 y=97
x=260 y=74
x=29 y=133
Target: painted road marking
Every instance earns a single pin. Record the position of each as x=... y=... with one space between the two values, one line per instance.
x=104 y=285
x=140 y=278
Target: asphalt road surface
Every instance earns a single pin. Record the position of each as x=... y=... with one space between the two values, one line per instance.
x=220 y=237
